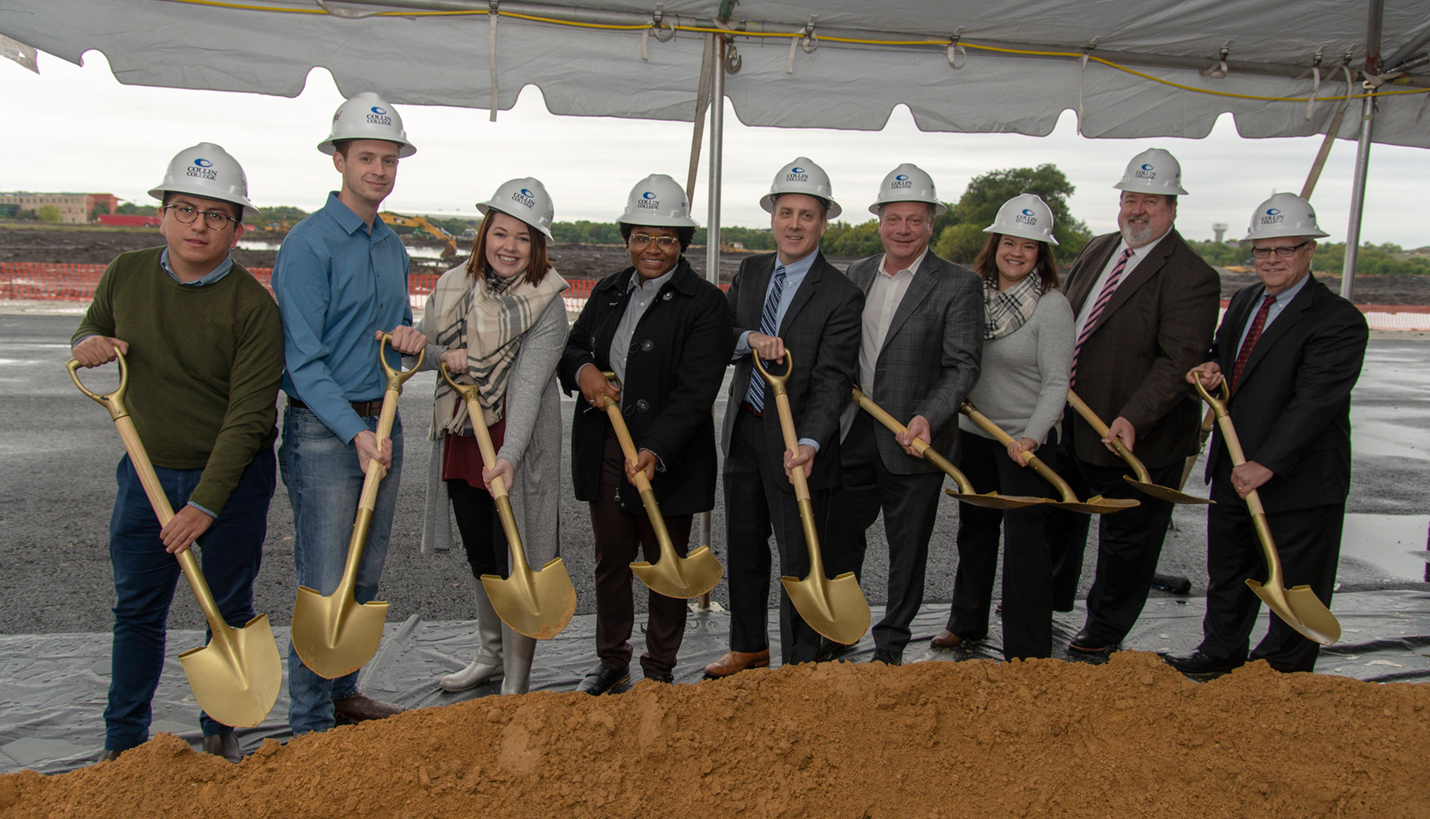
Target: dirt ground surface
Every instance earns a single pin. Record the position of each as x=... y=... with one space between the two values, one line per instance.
x=81 y=245
x=1039 y=738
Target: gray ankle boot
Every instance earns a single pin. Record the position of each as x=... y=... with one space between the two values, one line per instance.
x=517 y=654
x=487 y=666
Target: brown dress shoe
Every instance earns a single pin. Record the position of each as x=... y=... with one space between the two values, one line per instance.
x=360 y=708
x=223 y=745
x=947 y=639
x=734 y=661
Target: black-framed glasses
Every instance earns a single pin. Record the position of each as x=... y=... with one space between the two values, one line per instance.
x=663 y=242
x=215 y=219
x=1283 y=252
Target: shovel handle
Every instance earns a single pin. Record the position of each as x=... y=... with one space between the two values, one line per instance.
x=867 y=404
x=114 y=401
x=628 y=449
x=1238 y=457
x=1005 y=439
x=1101 y=429
x=797 y=477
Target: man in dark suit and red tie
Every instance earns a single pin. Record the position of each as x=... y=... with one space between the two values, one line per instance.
x=1290 y=351
x=1146 y=305
x=792 y=299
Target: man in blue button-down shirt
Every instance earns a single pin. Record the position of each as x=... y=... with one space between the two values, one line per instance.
x=341 y=282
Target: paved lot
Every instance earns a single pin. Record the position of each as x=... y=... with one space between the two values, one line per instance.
x=58 y=452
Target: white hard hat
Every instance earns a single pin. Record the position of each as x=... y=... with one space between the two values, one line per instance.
x=525 y=199
x=207 y=171
x=1026 y=216
x=908 y=183
x=367 y=116
x=1284 y=214
x=657 y=201
x=1153 y=171
x=801 y=176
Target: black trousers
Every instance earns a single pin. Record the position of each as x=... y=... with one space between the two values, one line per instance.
x=619 y=538
x=1129 y=543
x=910 y=504
x=1027 y=563
x=1309 y=543
x=756 y=503
x=480 y=527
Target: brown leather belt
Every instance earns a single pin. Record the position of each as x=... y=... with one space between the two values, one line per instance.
x=360 y=407
x=750 y=408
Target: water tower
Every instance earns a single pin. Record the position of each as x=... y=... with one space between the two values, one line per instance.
x=1219 y=231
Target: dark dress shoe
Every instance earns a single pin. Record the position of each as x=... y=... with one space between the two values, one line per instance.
x=1085 y=643
x=360 y=708
x=734 y=661
x=668 y=679
x=224 y=745
x=1197 y=664
x=947 y=639
x=109 y=756
x=830 y=650
x=888 y=657
x=604 y=678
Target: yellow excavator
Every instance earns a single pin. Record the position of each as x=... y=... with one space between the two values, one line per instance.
x=422 y=223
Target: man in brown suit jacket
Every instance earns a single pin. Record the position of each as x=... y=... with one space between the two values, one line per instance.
x=1146 y=306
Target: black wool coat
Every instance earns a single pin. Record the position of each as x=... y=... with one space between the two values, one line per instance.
x=677 y=359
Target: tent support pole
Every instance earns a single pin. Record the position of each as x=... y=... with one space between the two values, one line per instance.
x=712 y=229
x=1367 y=123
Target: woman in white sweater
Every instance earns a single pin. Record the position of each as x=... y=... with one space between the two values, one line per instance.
x=1023 y=386
x=499 y=322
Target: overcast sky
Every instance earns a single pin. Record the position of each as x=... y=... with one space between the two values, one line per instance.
x=78 y=129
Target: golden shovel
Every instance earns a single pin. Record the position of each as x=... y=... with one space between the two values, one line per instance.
x=1095 y=505
x=672 y=575
x=236 y=677
x=336 y=635
x=1141 y=480
x=965 y=492
x=537 y=604
x=834 y=608
x=1298 y=606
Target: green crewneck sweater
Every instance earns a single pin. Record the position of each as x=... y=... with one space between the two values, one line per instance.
x=204 y=366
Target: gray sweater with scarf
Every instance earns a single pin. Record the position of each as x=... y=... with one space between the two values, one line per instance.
x=1023 y=383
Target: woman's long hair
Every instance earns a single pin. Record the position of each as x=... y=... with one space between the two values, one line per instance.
x=1046 y=267
x=536 y=265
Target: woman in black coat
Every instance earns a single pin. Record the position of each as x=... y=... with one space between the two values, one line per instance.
x=668 y=335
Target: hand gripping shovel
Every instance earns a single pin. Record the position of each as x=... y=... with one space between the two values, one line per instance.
x=236 y=676
x=1141 y=480
x=1298 y=605
x=336 y=635
x=965 y=492
x=834 y=608
x=537 y=604
x=1095 y=505
x=672 y=575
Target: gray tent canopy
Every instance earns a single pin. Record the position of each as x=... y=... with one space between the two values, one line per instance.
x=1150 y=68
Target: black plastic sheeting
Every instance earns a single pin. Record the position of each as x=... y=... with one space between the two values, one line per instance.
x=53 y=686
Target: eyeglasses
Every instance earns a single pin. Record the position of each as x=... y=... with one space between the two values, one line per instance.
x=663 y=242
x=1282 y=252
x=215 y=219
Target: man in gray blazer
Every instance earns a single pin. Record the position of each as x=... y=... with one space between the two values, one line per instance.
x=919 y=353
x=794 y=300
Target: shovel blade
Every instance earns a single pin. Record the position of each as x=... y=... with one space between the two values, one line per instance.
x=1165 y=493
x=335 y=637
x=683 y=577
x=539 y=605
x=236 y=677
x=1302 y=610
x=834 y=608
x=993 y=500
x=1096 y=505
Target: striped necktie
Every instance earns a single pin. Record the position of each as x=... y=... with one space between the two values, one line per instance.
x=769 y=325
x=1097 y=307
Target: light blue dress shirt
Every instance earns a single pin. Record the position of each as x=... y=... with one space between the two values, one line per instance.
x=794 y=276
x=1277 y=307
x=338 y=283
x=208 y=278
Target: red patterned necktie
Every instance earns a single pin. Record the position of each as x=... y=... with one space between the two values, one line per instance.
x=1103 y=298
x=1257 y=325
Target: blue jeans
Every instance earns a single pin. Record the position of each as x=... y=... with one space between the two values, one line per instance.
x=324 y=484
x=145 y=575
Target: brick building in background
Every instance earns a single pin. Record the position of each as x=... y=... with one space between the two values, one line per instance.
x=74 y=208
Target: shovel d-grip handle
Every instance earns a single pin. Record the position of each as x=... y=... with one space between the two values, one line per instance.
x=114 y=401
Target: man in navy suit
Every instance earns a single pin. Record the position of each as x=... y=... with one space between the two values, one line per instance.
x=1290 y=350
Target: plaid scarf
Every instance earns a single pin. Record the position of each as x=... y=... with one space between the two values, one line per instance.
x=1004 y=311
x=487 y=317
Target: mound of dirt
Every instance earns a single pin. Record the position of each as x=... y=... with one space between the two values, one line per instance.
x=979 y=738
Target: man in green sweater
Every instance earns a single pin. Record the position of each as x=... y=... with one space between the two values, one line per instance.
x=204 y=349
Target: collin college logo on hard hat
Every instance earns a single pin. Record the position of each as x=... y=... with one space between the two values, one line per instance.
x=649 y=200
x=378 y=116
x=797 y=174
x=901 y=181
x=202 y=169
x=524 y=197
x=1028 y=217
x=1274 y=216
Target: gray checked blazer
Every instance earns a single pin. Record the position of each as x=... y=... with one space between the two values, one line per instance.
x=930 y=358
